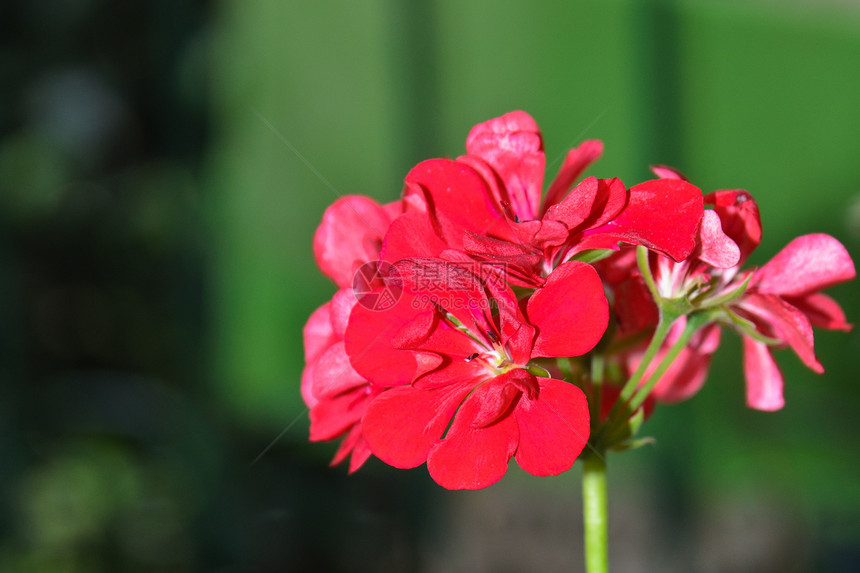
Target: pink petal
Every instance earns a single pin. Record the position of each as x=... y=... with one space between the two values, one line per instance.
x=333 y=374
x=394 y=209
x=791 y=325
x=554 y=428
x=664 y=172
x=717 y=249
x=662 y=214
x=577 y=160
x=822 y=311
x=471 y=457
x=318 y=333
x=402 y=424
x=764 y=379
x=349 y=235
x=512 y=145
x=807 y=264
x=739 y=217
x=308 y=384
x=341 y=305
x=570 y=311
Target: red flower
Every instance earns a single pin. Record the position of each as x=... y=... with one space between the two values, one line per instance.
x=333 y=391
x=784 y=302
x=487 y=204
x=351 y=234
x=781 y=301
x=477 y=400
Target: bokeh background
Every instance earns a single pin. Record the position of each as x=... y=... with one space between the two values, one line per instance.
x=163 y=165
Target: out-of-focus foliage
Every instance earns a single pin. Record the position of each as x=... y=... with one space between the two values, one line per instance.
x=162 y=168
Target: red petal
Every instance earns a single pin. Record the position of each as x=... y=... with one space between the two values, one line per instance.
x=360 y=452
x=512 y=145
x=717 y=249
x=635 y=308
x=807 y=264
x=577 y=206
x=662 y=214
x=553 y=428
x=470 y=457
x=570 y=311
x=334 y=415
x=369 y=337
x=402 y=424
x=411 y=235
x=349 y=235
x=346 y=444
x=502 y=394
x=577 y=160
x=502 y=251
x=451 y=285
x=353 y=443
x=764 y=379
x=458 y=201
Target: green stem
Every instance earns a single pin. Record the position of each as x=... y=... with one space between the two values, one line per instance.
x=666 y=321
x=594 y=513
x=597 y=368
x=694 y=322
x=645 y=269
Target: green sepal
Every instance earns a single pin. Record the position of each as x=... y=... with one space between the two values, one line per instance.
x=592 y=255
x=747 y=328
x=729 y=296
x=539 y=371
x=628 y=430
x=633 y=444
x=676 y=307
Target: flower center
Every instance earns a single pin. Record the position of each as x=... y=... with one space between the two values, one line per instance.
x=497 y=360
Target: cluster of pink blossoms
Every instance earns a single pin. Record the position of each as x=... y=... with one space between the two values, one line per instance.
x=471 y=314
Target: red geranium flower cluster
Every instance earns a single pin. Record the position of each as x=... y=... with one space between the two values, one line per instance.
x=470 y=310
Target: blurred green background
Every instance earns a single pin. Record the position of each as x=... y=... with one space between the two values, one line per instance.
x=163 y=165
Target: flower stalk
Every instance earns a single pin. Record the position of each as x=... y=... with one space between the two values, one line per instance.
x=594 y=509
